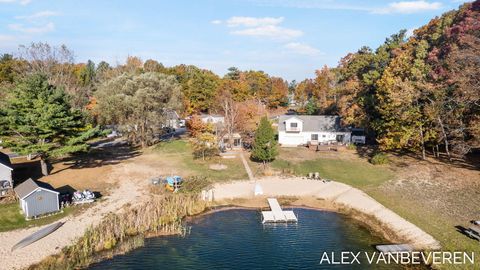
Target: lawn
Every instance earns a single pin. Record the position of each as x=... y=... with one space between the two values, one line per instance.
x=177 y=155
x=11 y=218
x=433 y=195
x=358 y=173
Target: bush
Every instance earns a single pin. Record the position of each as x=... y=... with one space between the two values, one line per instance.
x=379 y=159
x=351 y=146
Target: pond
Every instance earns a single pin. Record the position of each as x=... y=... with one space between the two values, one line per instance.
x=236 y=239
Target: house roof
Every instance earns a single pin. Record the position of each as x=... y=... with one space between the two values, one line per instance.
x=5 y=160
x=29 y=186
x=312 y=123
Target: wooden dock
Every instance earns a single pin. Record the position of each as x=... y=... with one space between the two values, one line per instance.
x=277 y=215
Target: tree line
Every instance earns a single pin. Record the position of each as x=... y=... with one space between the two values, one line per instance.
x=418 y=93
x=413 y=93
x=51 y=106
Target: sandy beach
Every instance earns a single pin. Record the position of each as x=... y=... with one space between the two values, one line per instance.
x=333 y=192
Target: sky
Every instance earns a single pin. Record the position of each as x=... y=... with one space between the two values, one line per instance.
x=286 y=38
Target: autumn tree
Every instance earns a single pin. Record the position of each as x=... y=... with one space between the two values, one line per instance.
x=204 y=145
x=279 y=93
x=199 y=87
x=153 y=66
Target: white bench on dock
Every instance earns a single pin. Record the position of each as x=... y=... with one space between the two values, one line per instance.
x=277 y=214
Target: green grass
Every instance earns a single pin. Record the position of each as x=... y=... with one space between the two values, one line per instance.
x=180 y=151
x=355 y=173
x=11 y=218
x=174 y=146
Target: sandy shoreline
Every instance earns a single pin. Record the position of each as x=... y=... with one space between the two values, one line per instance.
x=130 y=190
x=329 y=196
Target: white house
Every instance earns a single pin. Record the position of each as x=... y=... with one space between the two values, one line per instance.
x=6 y=180
x=173 y=120
x=295 y=130
x=212 y=119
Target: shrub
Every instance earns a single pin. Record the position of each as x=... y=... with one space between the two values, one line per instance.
x=351 y=146
x=379 y=159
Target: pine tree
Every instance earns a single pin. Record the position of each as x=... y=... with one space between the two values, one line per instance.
x=38 y=120
x=264 y=147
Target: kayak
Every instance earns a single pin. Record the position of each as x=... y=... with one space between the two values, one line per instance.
x=37 y=235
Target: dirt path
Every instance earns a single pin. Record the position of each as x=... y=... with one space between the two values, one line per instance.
x=131 y=183
x=335 y=192
x=247 y=167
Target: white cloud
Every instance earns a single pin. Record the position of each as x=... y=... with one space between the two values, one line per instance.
x=269 y=31
x=253 y=22
x=21 y=2
x=408 y=7
x=263 y=27
x=301 y=48
x=5 y=38
x=41 y=14
x=32 y=30
x=400 y=6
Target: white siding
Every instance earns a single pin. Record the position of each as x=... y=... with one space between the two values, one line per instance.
x=5 y=173
x=295 y=139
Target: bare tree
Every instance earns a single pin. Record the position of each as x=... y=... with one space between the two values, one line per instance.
x=230 y=109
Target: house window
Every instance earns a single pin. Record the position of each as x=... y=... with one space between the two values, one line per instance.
x=314 y=137
x=293 y=125
x=323 y=136
x=236 y=142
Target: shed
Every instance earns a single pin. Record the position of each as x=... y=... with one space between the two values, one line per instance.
x=6 y=180
x=37 y=198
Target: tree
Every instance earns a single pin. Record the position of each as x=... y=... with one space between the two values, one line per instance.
x=153 y=66
x=199 y=87
x=196 y=126
x=265 y=146
x=57 y=63
x=138 y=103
x=279 y=93
x=311 y=108
x=260 y=85
x=230 y=109
x=39 y=120
x=323 y=89
x=204 y=145
x=233 y=74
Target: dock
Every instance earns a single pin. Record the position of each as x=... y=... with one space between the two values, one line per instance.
x=394 y=248
x=277 y=215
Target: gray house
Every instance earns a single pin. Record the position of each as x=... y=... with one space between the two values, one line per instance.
x=6 y=181
x=37 y=198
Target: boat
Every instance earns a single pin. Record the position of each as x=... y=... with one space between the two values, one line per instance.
x=37 y=235
x=80 y=197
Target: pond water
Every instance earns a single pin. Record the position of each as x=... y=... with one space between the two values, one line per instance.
x=236 y=239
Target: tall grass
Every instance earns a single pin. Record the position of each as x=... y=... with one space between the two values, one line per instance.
x=161 y=215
